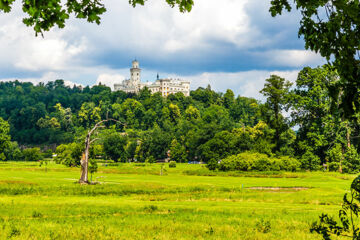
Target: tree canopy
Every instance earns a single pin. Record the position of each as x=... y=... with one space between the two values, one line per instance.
x=332 y=29
x=42 y=15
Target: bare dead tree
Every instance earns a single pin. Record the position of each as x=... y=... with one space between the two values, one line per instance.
x=88 y=141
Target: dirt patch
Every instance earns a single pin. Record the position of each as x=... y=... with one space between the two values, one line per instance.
x=279 y=188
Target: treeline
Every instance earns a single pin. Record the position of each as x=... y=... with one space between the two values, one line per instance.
x=302 y=122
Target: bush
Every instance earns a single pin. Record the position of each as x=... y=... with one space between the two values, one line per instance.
x=212 y=164
x=47 y=154
x=32 y=154
x=150 y=159
x=93 y=167
x=289 y=164
x=248 y=161
x=172 y=164
x=310 y=161
x=351 y=161
x=334 y=166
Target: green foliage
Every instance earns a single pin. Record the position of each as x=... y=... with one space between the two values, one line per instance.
x=93 y=167
x=335 y=36
x=69 y=154
x=150 y=159
x=207 y=126
x=47 y=154
x=276 y=89
x=172 y=164
x=212 y=164
x=351 y=161
x=13 y=152
x=44 y=15
x=249 y=161
x=4 y=138
x=115 y=147
x=310 y=161
x=32 y=154
x=177 y=152
x=263 y=226
x=328 y=227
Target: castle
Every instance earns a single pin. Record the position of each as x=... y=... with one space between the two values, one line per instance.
x=164 y=86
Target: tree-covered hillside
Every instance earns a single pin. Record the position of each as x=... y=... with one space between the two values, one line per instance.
x=207 y=126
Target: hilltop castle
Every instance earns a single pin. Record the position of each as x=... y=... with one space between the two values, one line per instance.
x=164 y=86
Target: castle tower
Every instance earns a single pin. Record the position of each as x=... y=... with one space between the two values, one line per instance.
x=135 y=73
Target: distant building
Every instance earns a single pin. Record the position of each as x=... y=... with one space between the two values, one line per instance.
x=164 y=86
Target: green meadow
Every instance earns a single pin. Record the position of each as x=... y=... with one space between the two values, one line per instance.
x=133 y=201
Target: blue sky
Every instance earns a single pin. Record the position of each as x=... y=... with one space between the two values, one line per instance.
x=232 y=44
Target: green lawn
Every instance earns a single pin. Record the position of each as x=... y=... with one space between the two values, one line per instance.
x=136 y=202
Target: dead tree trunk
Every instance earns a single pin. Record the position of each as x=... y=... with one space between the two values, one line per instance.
x=84 y=179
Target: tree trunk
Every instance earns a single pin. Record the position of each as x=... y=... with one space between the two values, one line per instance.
x=84 y=178
x=85 y=161
x=348 y=136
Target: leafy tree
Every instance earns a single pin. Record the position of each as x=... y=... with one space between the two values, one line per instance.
x=177 y=151
x=320 y=128
x=331 y=28
x=4 y=138
x=192 y=113
x=69 y=154
x=276 y=89
x=89 y=114
x=229 y=99
x=131 y=150
x=115 y=147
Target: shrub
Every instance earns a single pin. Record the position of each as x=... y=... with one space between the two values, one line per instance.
x=32 y=154
x=289 y=164
x=172 y=164
x=310 y=161
x=150 y=159
x=212 y=164
x=351 y=161
x=334 y=166
x=93 y=167
x=47 y=154
x=263 y=226
x=248 y=161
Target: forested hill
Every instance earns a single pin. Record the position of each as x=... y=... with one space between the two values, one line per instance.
x=207 y=126
x=52 y=112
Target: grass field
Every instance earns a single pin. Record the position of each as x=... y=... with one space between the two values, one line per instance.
x=134 y=201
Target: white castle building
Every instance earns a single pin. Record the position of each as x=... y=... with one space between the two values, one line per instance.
x=164 y=86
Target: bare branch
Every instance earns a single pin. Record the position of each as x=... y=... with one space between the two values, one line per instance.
x=95 y=139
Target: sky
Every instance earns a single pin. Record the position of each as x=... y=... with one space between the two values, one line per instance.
x=233 y=44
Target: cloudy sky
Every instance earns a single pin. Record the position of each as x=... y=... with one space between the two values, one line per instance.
x=234 y=44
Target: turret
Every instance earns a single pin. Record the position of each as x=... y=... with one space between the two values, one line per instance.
x=135 y=73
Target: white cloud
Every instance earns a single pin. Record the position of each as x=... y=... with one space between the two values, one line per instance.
x=109 y=79
x=23 y=51
x=248 y=83
x=291 y=58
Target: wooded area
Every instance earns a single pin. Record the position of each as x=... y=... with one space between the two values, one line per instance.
x=302 y=122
